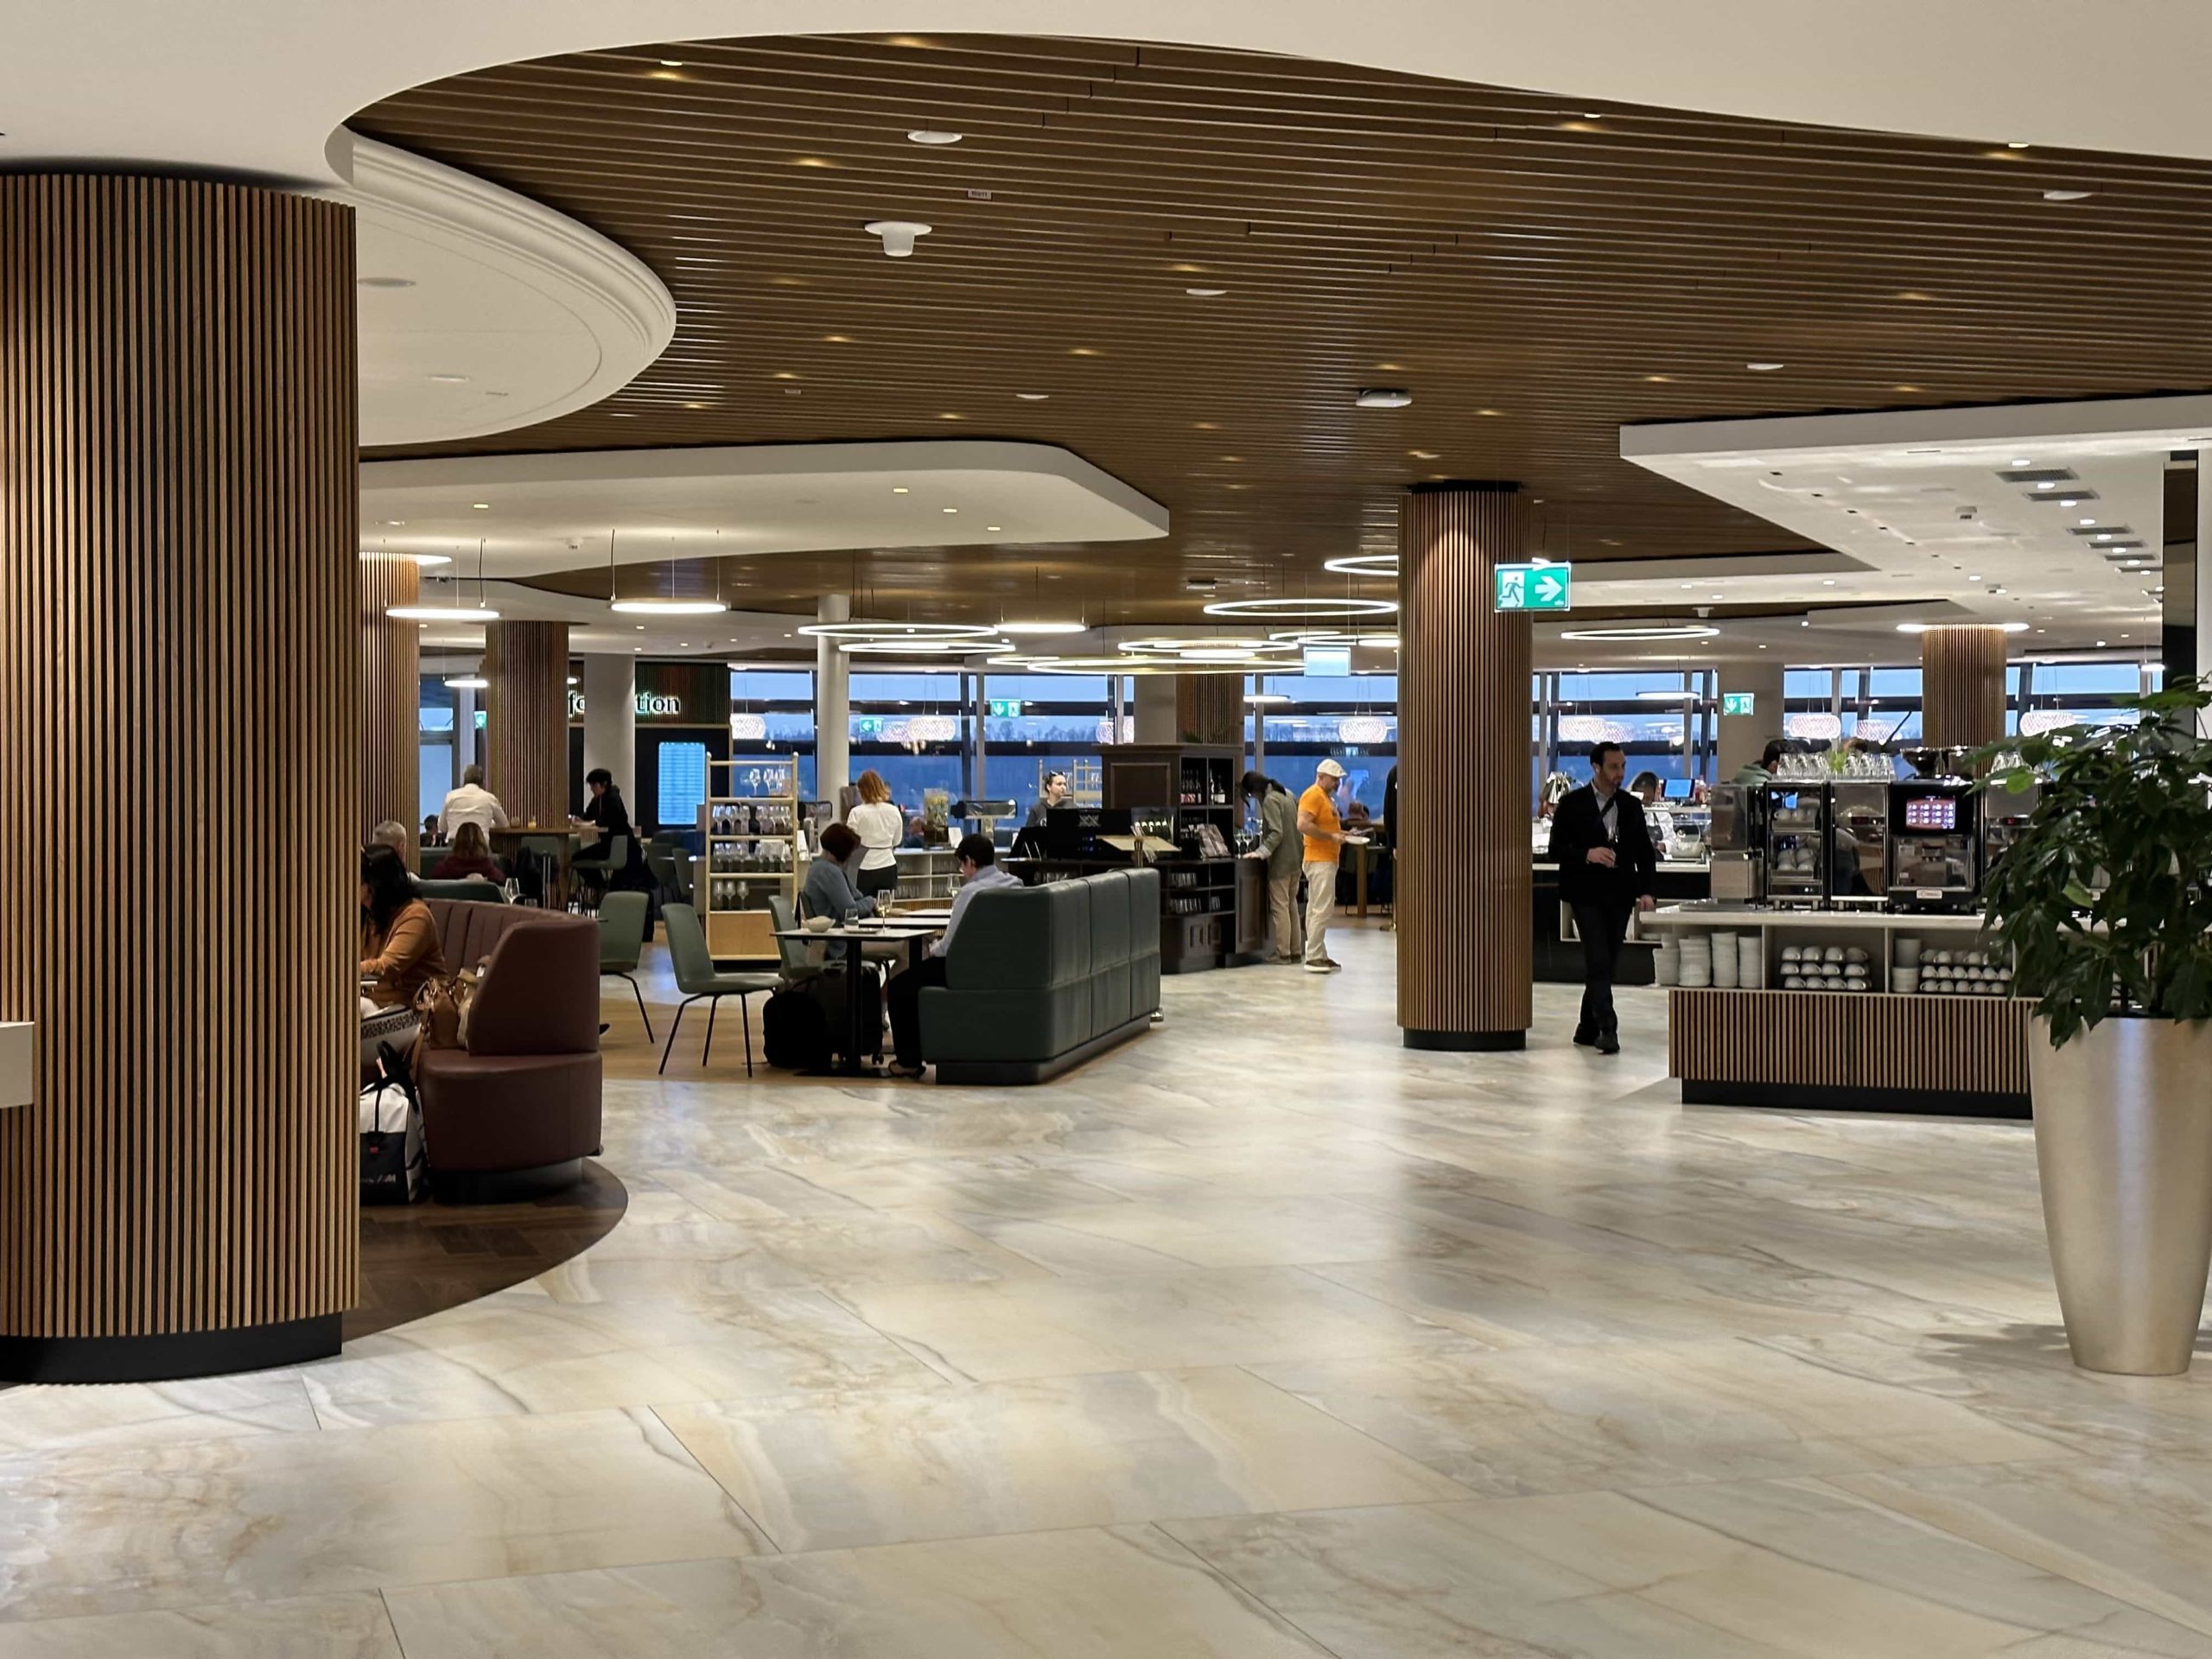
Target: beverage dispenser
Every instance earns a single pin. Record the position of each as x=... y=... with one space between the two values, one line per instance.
x=1935 y=845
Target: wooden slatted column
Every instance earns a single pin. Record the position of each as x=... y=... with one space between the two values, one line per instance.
x=526 y=720
x=177 y=681
x=391 y=692
x=1962 y=685
x=1463 y=872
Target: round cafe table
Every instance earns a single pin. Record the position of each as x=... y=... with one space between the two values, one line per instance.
x=908 y=931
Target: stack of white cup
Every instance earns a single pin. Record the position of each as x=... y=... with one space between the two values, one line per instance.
x=1667 y=960
x=1697 y=960
x=1723 y=945
x=1905 y=967
x=1751 y=962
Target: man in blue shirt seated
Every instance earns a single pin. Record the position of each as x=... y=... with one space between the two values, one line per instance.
x=979 y=873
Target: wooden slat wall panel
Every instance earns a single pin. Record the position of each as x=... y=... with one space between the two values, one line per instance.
x=1209 y=707
x=390 y=694
x=1463 y=876
x=1962 y=685
x=526 y=719
x=1963 y=1045
x=1535 y=276
x=177 y=507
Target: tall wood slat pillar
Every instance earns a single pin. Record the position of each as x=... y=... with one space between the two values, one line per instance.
x=526 y=720
x=177 y=675
x=1962 y=685
x=390 y=694
x=1463 y=867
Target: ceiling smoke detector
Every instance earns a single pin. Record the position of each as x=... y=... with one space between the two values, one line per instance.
x=898 y=235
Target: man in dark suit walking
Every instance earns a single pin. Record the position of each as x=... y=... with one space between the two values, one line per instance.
x=1603 y=849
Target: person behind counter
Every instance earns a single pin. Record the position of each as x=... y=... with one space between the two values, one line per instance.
x=1603 y=849
x=1055 y=794
x=881 y=826
x=1646 y=790
x=1279 y=850
x=469 y=856
x=979 y=873
x=399 y=941
x=1769 y=759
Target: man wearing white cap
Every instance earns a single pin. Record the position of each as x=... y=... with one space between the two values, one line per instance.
x=1324 y=838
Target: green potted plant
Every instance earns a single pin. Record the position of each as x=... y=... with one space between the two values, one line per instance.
x=2104 y=902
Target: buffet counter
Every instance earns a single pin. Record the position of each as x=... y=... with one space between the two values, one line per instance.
x=1557 y=951
x=1892 y=1011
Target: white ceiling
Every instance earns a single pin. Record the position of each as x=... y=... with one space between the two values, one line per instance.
x=550 y=512
x=258 y=86
x=1916 y=500
x=511 y=313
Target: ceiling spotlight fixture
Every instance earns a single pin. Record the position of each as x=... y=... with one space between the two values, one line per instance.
x=1205 y=293
x=933 y=135
x=1658 y=630
x=1293 y=609
x=1032 y=396
x=379 y=556
x=668 y=607
x=898 y=234
x=1765 y=368
x=2068 y=196
x=1383 y=398
x=473 y=682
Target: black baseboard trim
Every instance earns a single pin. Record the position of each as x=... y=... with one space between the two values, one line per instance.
x=1810 y=1097
x=989 y=1074
x=171 y=1357
x=504 y=1185
x=1467 y=1042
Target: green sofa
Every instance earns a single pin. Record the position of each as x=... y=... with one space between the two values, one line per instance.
x=1040 y=979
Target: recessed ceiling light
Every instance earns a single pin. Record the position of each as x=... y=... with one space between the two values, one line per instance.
x=2068 y=196
x=1765 y=368
x=898 y=489
x=1205 y=293
x=932 y=135
x=1422 y=455
x=993 y=526
x=1083 y=351
x=1973 y=578
x=948 y=509
x=1383 y=398
x=2092 y=521
x=1912 y=294
x=1827 y=582
x=2069 y=502
x=2014 y=143
x=1593 y=115
x=1658 y=379
x=1032 y=396
x=671 y=63
x=2046 y=484
x=948 y=415
x=481 y=506
x=2101 y=645
x=395 y=522
x=1490 y=411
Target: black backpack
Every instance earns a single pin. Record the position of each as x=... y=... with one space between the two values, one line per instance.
x=794 y=1030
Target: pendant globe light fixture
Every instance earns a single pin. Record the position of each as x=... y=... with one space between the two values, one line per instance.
x=459 y=611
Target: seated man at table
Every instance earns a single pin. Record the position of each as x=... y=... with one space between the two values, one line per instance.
x=979 y=873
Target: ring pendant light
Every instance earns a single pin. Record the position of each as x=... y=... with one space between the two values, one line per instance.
x=479 y=612
x=1297 y=609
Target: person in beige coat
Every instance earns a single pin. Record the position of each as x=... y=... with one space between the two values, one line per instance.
x=1279 y=847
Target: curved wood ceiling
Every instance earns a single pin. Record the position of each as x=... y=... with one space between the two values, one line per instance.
x=1536 y=271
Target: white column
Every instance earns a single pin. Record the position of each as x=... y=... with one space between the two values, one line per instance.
x=1744 y=738
x=610 y=690
x=982 y=757
x=833 y=705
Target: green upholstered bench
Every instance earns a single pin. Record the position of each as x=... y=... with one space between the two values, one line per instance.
x=1040 y=979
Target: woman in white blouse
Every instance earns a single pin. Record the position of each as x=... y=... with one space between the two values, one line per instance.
x=881 y=826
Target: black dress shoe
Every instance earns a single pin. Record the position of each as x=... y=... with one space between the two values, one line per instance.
x=1585 y=1038
x=1608 y=1042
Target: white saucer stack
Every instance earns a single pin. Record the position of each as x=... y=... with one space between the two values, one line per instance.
x=1667 y=959
x=1751 y=962
x=1723 y=946
x=1697 y=961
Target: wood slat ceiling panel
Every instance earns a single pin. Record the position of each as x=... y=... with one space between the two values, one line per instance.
x=1535 y=276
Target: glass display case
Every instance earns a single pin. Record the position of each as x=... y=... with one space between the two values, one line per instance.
x=1796 y=843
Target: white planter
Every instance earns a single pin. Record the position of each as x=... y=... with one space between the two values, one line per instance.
x=2123 y=1123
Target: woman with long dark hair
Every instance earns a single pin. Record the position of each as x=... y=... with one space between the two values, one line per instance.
x=399 y=941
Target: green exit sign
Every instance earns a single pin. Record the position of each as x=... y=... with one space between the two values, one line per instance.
x=1534 y=587
x=1006 y=708
x=1738 y=702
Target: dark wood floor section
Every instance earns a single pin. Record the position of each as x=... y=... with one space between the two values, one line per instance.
x=417 y=1259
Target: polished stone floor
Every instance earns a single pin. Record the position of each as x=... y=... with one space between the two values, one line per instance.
x=1260 y=1336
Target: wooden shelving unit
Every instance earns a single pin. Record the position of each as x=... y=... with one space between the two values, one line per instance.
x=755 y=842
x=1208 y=917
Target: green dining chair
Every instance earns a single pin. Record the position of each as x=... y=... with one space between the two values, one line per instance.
x=696 y=977
x=621 y=941
x=791 y=953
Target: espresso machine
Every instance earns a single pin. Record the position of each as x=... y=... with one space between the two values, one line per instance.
x=1935 y=845
x=1738 y=839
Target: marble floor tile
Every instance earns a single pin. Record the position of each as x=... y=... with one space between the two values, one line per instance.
x=889 y=1466
x=1128 y=1593
x=531 y=1349
x=2139 y=1528
x=1750 y=1571
x=1230 y=1316
x=133 y=1528
x=352 y=1626
x=45 y=1418
x=1276 y=1231
x=1561 y=1420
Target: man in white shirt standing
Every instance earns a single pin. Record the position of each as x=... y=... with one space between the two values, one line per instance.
x=472 y=804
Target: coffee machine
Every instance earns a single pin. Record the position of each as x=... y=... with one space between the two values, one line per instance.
x=1935 y=845
x=1737 y=840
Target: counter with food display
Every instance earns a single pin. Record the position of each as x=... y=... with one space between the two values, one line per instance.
x=1854 y=1010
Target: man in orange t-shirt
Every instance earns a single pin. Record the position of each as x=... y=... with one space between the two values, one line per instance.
x=1324 y=837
